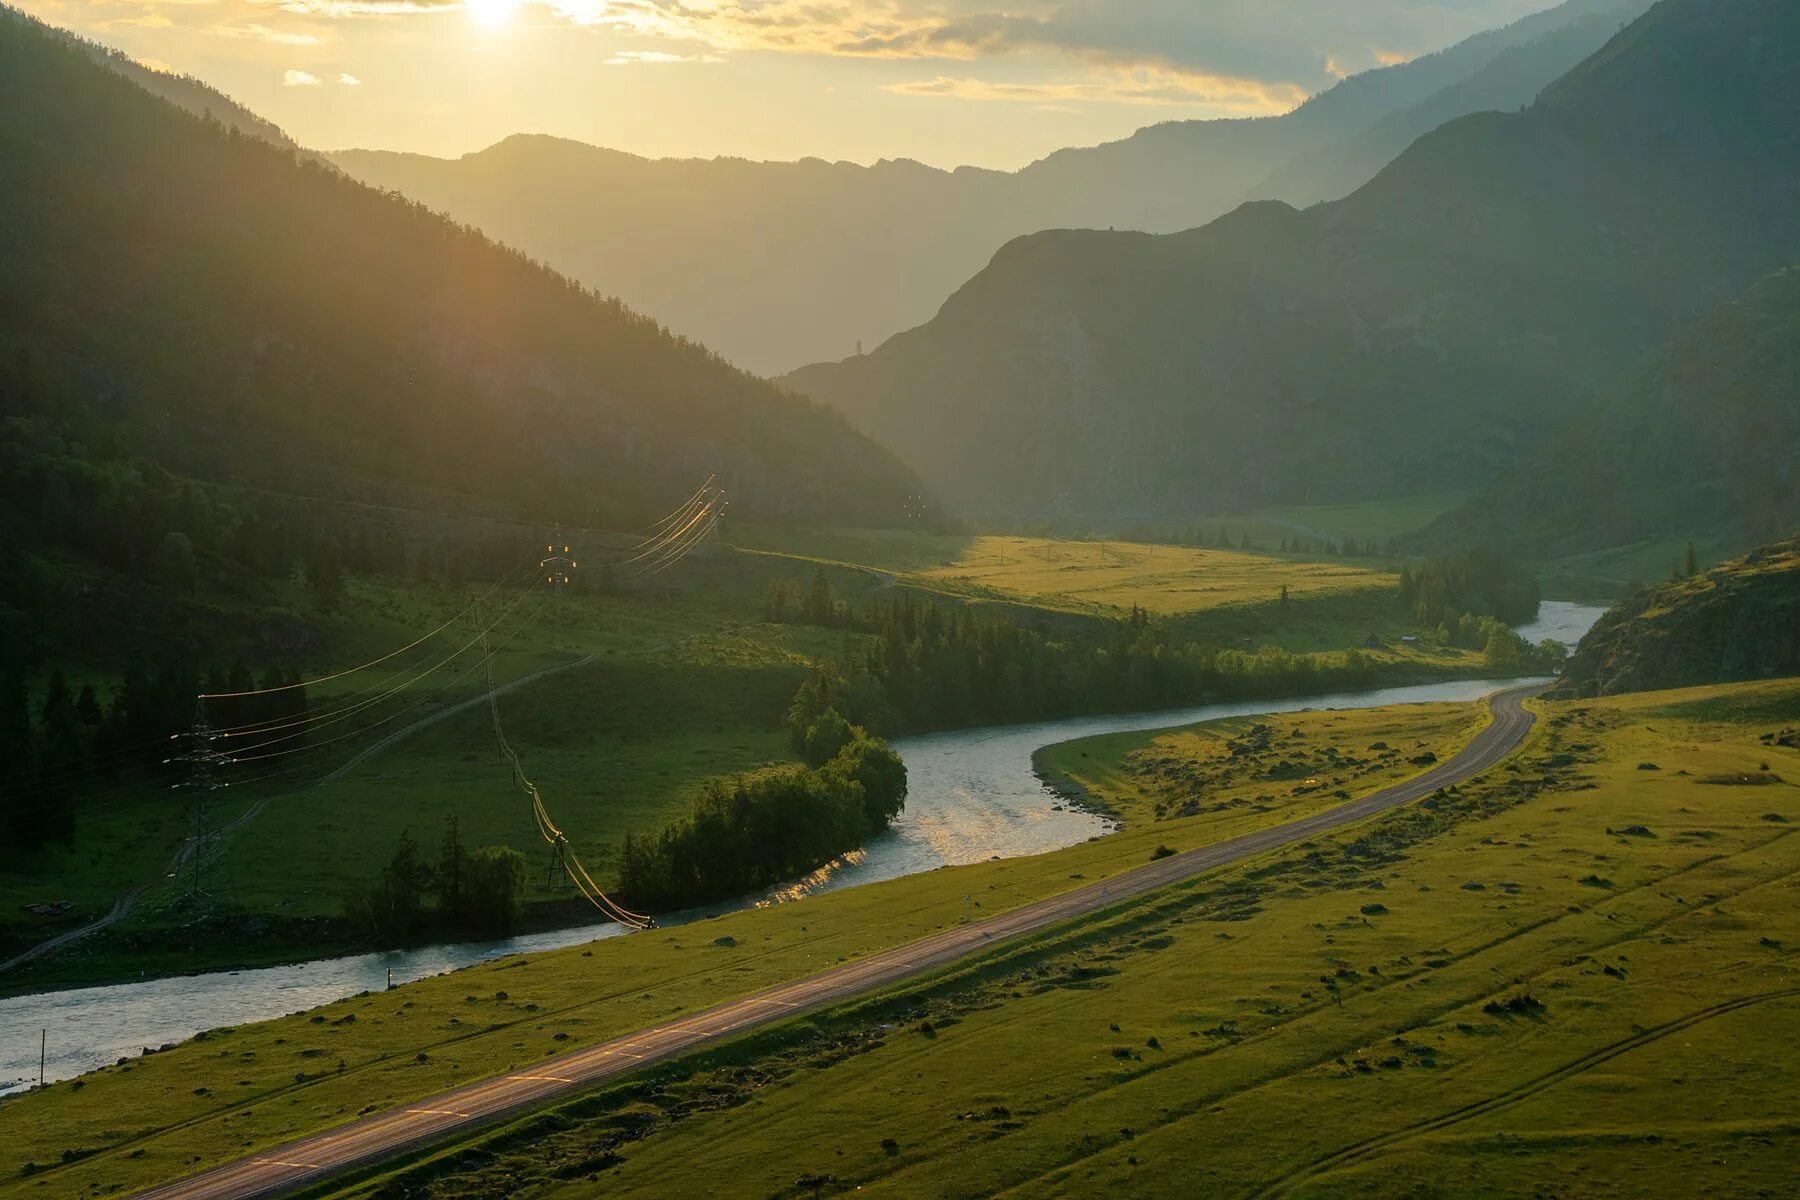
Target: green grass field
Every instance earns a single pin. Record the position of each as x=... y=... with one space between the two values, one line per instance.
x=685 y=683
x=1574 y=978
x=1115 y=576
x=1231 y=776
x=1195 y=1034
x=155 y=1120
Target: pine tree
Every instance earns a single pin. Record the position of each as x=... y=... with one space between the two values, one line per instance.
x=452 y=872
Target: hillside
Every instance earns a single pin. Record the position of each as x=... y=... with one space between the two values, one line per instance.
x=778 y=264
x=1419 y=334
x=1735 y=622
x=1703 y=443
x=174 y=290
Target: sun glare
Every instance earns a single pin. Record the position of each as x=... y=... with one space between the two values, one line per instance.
x=491 y=14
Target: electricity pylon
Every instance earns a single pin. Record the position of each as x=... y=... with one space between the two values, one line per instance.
x=205 y=876
x=559 y=571
x=915 y=516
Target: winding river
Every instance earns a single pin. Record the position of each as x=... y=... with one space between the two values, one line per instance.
x=972 y=795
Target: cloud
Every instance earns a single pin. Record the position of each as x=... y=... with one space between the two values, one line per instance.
x=367 y=8
x=293 y=78
x=1241 y=97
x=263 y=33
x=1237 y=55
x=156 y=64
x=349 y=80
x=626 y=58
x=1286 y=47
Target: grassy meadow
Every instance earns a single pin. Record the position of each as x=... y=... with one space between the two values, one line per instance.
x=1230 y=776
x=1165 y=580
x=648 y=692
x=234 y=1090
x=1574 y=977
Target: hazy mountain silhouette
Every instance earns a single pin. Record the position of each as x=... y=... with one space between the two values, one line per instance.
x=1419 y=334
x=243 y=312
x=778 y=264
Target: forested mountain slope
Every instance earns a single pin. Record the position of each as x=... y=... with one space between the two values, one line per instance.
x=1423 y=333
x=174 y=290
x=778 y=264
x=1703 y=443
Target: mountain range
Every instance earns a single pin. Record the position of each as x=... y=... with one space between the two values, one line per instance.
x=203 y=296
x=778 y=264
x=1427 y=332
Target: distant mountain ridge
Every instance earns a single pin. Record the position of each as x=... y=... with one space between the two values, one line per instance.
x=225 y=307
x=1424 y=333
x=779 y=264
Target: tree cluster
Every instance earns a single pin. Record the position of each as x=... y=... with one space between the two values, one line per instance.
x=473 y=893
x=760 y=830
x=1439 y=591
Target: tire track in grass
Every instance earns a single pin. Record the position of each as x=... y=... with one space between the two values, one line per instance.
x=1370 y=1146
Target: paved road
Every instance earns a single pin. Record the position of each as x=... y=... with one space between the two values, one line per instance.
x=458 y=1112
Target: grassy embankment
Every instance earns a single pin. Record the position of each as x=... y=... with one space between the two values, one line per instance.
x=210 y=1099
x=1576 y=976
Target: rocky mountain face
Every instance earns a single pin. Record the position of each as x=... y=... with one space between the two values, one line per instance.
x=1736 y=622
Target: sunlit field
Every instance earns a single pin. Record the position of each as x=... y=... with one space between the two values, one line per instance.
x=1168 y=580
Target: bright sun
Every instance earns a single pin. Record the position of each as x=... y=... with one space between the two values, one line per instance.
x=491 y=13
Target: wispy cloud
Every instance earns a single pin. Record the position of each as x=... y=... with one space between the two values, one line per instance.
x=341 y=9
x=349 y=80
x=1213 y=56
x=263 y=33
x=293 y=78
x=626 y=58
x=1141 y=87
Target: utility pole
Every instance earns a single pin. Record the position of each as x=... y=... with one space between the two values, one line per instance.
x=206 y=846
x=43 y=1052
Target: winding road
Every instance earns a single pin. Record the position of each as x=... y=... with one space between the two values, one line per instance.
x=458 y=1112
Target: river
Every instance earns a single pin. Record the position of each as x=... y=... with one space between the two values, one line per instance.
x=972 y=795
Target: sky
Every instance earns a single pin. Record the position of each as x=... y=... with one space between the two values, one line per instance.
x=994 y=83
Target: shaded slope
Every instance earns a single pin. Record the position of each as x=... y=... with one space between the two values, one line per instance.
x=243 y=313
x=1419 y=334
x=1703 y=443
